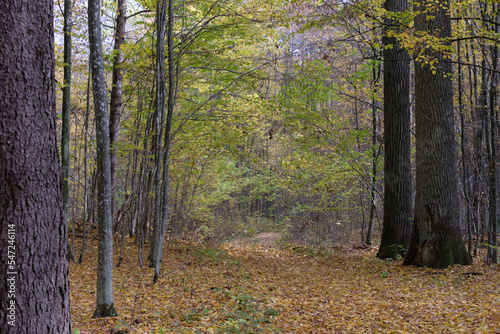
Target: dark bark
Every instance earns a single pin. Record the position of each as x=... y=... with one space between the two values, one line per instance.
x=65 y=117
x=116 y=94
x=396 y=230
x=437 y=239
x=33 y=236
x=104 y=295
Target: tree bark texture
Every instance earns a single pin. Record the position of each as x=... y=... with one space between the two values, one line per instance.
x=437 y=239
x=116 y=94
x=396 y=230
x=105 y=306
x=30 y=194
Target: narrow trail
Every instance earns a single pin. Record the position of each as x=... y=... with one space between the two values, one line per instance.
x=295 y=290
x=265 y=239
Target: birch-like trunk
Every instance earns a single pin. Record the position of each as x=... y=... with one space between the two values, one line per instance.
x=105 y=306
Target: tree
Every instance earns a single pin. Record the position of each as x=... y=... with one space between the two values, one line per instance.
x=66 y=116
x=34 y=270
x=437 y=239
x=116 y=94
x=492 y=255
x=158 y=237
x=397 y=164
x=172 y=74
x=105 y=306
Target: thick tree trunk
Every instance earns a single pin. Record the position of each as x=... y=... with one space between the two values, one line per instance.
x=34 y=286
x=396 y=232
x=116 y=95
x=105 y=306
x=437 y=239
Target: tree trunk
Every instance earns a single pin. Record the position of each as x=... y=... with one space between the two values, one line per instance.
x=375 y=154
x=437 y=239
x=34 y=286
x=157 y=242
x=492 y=255
x=105 y=306
x=396 y=230
x=65 y=117
x=116 y=94
x=464 y=151
x=85 y=176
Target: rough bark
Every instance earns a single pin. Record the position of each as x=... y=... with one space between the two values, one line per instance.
x=34 y=286
x=396 y=232
x=104 y=306
x=437 y=239
x=115 y=105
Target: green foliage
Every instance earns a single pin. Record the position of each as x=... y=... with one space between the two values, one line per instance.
x=244 y=313
x=399 y=250
x=207 y=255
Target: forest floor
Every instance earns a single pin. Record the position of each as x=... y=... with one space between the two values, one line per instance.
x=255 y=285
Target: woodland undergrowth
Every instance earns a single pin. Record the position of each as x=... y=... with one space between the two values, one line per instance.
x=254 y=287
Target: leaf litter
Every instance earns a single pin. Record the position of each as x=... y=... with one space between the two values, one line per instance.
x=252 y=287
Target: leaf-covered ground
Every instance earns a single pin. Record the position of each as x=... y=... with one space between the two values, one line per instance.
x=255 y=287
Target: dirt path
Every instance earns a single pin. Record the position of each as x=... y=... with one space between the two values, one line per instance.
x=265 y=239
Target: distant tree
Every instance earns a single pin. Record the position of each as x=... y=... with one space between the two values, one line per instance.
x=105 y=306
x=437 y=239
x=159 y=223
x=492 y=146
x=397 y=164
x=34 y=286
x=115 y=106
x=66 y=116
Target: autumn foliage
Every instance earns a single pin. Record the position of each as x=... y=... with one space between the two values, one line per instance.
x=267 y=287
